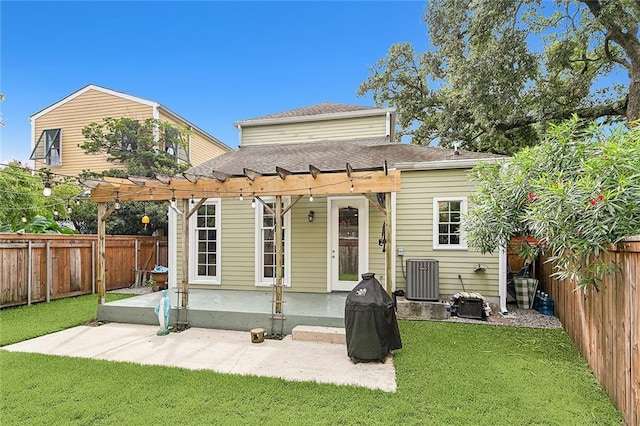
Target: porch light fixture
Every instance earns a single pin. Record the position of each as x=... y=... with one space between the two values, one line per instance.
x=310 y=215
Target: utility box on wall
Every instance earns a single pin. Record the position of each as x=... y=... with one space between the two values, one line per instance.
x=422 y=279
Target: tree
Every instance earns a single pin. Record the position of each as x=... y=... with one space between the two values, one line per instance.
x=499 y=70
x=576 y=193
x=145 y=148
x=23 y=208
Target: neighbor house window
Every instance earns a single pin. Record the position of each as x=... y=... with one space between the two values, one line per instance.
x=447 y=223
x=129 y=137
x=205 y=244
x=265 y=243
x=48 y=149
x=175 y=145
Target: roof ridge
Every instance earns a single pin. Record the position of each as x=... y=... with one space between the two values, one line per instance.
x=315 y=109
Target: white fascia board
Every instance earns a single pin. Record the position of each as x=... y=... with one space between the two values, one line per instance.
x=447 y=164
x=318 y=117
x=196 y=128
x=84 y=90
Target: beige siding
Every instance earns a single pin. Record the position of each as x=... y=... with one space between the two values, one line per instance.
x=237 y=245
x=309 y=246
x=376 y=256
x=346 y=128
x=414 y=232
x=75 y=114
x=202 y=148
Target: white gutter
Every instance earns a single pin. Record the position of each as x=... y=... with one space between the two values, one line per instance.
x=447 y=164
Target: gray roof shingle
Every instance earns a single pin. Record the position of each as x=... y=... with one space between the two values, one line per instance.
x=318 y=109
x=361 y=154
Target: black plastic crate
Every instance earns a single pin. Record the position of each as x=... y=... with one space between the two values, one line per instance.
x=470 y=308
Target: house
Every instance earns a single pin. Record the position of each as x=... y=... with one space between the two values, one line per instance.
x=333 y=229
x=56 y=131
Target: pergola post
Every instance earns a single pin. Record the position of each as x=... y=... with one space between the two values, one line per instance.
x=279 y=255
x=388 y=259
x=185 y=253
x=102 y=230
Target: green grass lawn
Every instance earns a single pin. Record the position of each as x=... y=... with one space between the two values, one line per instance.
x=458 y=374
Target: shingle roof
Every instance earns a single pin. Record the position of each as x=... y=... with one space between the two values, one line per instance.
x=318 y=109
x=361 y=154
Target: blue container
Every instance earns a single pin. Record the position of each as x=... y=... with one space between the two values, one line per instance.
x=547 y=306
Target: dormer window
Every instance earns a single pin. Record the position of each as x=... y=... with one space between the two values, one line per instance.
x=49 y=148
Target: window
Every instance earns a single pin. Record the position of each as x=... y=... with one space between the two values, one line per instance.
x=174 y=144
x=447 y=223
x=128 y=137
x=49 y=148
x=265 y=244
x=205 y=244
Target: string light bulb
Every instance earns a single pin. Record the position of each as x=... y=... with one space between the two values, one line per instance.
x=68 y=208
x=173 y=199
x=55 y=211
x=116 y=203
x=351 y=189
x=23 y=219
x=253 y=203
x=47 y=189
x=310 y=196
x=241 y=197
x=77 y=201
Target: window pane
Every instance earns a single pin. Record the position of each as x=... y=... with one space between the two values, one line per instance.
x=211 y=258
x=202 y=258
x=443 y=229
x=443 y=239
x=212 y=270
x=455 y=239
x=455 y=217
x=202 y=270
x=443 y=206
x=454 y=206
x=454 y=228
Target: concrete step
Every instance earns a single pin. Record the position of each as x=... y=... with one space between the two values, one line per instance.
x=314 y=333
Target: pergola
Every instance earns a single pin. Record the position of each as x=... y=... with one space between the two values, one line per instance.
x=180 y=189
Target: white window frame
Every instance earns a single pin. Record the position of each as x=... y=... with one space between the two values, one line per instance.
x=436 y=224
x=45 y=158
x=194 y=278
x=260 y=280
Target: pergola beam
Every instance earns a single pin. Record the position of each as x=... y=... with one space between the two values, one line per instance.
x=323 y=184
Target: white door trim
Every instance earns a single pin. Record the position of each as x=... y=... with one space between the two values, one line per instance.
x=332 y=239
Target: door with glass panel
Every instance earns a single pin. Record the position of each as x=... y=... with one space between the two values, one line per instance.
x=348 y=227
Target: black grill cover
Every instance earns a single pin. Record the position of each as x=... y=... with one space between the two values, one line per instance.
x=370 y=321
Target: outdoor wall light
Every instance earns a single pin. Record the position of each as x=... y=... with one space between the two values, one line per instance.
x=310 y=215
x=479 y=268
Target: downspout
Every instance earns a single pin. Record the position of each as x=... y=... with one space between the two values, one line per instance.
x=502 y=279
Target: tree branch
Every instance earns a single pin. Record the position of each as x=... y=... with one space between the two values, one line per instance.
x=610 y=56
x=612 y=109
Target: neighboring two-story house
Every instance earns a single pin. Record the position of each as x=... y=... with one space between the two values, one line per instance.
x=56 y=131
x=330 y=240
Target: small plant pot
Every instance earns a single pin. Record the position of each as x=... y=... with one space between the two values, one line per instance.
x=155 y=288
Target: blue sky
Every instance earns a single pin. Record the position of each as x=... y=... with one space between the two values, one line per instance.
x=211 y=62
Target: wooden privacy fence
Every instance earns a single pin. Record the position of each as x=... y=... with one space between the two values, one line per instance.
x=40 y=267
x=605 y=325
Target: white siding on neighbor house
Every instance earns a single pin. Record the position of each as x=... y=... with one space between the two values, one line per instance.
x=414 y=232
x=338 y=129
x=73 y=116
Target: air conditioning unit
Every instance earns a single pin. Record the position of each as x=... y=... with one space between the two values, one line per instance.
x=422 y=279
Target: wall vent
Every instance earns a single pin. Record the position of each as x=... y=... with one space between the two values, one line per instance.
x=422 y=279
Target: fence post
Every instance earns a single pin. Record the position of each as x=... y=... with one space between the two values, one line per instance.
x=29 y=273
x=136 y=248
x=93 y=267
x=48 y=268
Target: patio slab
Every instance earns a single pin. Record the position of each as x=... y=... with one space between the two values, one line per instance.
x=224 y=351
